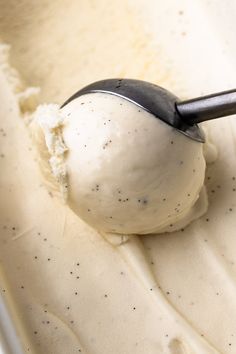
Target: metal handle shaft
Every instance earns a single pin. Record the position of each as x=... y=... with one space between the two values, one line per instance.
x=13 y=336
x=204 y=108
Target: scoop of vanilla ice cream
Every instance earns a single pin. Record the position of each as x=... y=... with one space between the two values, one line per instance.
x=127 y=172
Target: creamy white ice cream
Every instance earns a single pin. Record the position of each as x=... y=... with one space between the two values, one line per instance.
x=127 y=171
x=75 y=292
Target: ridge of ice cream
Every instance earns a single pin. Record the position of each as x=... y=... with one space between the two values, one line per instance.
x=123 y=170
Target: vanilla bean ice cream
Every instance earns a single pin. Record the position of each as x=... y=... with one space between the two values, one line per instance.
x=171 y=293
x=124 y=170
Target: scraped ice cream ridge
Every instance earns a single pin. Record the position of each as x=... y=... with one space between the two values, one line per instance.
x=162 y=293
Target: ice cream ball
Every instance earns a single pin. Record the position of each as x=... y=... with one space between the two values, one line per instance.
x=127 y=171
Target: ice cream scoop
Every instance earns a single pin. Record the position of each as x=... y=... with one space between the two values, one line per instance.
x=128 y=172
x=124 y=171
x=129 y=155
x=182 y=115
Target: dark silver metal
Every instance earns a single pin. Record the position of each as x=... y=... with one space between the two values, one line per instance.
x=152 y=98
x=204 y=108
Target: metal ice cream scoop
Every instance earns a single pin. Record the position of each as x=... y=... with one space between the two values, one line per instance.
x=182 y=115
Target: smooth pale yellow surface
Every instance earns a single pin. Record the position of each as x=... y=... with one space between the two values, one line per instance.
x=75 y=43
x=45 y=248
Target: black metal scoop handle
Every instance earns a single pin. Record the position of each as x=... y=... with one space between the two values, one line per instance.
x=209 y=107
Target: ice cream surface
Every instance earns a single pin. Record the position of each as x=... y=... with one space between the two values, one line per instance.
x=172 y=293
x=125 y=171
